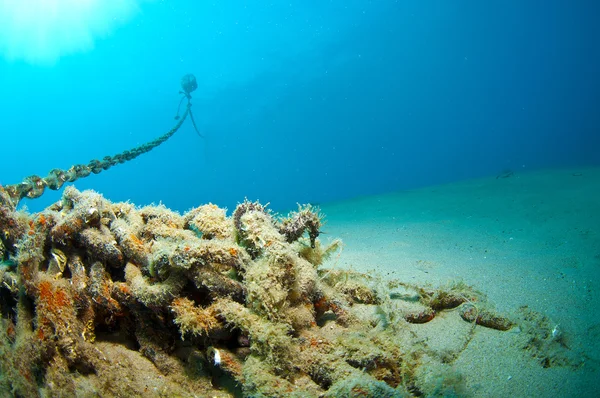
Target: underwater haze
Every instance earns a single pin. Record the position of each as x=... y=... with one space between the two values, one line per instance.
x=452 y=150
x=298 y=101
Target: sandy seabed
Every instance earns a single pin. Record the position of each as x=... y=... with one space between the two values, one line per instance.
x=525 y=240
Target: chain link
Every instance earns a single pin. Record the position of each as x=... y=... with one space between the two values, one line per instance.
x=34 y=186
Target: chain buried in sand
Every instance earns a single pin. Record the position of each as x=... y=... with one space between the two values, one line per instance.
x=34 y=186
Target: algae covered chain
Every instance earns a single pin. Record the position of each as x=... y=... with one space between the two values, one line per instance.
x=200 y=295
x=34 y=186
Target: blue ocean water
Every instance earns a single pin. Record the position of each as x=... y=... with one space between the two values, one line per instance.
x=322 y=101
x=308 y=101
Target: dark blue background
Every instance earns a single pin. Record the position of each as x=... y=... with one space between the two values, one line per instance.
x=312 y=101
